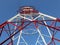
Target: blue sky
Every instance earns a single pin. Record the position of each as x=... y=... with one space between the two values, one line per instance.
x=9 y=8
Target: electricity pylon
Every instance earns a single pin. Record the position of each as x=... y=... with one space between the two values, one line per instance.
x=30 y=27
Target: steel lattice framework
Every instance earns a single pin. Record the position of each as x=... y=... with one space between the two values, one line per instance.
x=30 y=27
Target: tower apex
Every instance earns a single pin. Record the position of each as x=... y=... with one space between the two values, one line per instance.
x=27 y=10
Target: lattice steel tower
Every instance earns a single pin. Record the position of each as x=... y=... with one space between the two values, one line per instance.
x=30 y=27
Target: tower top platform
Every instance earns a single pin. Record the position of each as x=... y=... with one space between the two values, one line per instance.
x=28 y=10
